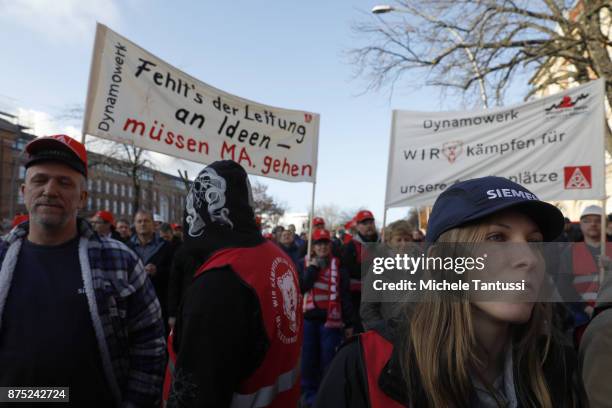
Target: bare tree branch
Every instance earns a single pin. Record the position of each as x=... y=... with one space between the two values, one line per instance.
x=479 y=47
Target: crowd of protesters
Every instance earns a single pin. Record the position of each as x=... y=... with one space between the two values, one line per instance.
x=211 y=312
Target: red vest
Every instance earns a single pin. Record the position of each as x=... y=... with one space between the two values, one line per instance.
x=586 y=272
x=272 y=275
x=376 y=353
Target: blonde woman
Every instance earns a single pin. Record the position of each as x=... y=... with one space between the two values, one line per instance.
x=455 y=352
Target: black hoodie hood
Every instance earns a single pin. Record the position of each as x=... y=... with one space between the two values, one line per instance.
x=219 y=211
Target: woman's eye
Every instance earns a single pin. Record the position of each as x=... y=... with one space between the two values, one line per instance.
x=496 y=237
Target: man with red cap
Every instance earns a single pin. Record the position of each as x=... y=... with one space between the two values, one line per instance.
x=104 y=224
x=318 y=223
x=76 y=309
x=353 y=254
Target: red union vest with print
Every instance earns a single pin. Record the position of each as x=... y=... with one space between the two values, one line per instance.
x=271 y=274
x=376 y=353
x=586 y=272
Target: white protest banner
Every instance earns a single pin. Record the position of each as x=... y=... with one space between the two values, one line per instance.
x=136 y=98
x=553 y=146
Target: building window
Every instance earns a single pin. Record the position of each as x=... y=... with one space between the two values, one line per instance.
x=114 y=206
x=122 y=207
x=107 y=187
x=89 y=184
x=97 y=203
x=154 y=195
x=19 y=197
x=106 y=204
x=99 y=183
x=130 y=191
x=89 y=203
x=123 y=190
x=22 y=171
x=130 y=209
x=115 y=189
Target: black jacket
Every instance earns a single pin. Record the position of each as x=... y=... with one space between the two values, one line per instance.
x=345 y=383
x=184 y=265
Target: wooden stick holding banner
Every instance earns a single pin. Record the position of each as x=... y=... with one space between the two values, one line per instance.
x=311 y=218
x=603 y=242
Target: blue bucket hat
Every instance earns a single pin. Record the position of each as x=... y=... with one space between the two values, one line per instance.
x=477 y=198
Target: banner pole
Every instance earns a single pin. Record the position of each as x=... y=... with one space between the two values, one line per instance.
x=603 y=239
x=312 y=204
x=384 y=224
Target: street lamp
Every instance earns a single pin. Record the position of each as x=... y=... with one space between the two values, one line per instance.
x=385 y=8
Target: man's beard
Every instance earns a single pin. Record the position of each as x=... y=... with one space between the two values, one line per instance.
x=49 y=221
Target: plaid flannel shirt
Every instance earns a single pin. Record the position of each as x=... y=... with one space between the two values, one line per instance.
x=125 y=312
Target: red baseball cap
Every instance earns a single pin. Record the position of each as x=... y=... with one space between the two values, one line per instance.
x=321 y=235
x=60 y=148
x=318 y=221
x=349 y=224
x=364 y=215
x=268 y=235
x=106 y=216
x=18 y=219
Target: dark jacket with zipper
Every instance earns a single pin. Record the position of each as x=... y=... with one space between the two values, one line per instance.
x=345 y=383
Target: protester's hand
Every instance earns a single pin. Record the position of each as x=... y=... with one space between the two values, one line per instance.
x=348 y=332
x=589 y=311
x=605 y=262
x=312 y=261
x=150 y=269
x=171 y=322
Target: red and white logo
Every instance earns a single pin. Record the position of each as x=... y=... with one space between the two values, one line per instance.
x=307 y=117
x=452 y=150
x=285 y=299
x=577 y=177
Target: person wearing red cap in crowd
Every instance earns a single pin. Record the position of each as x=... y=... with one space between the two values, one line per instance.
x=353 y=255
x=104 y=224
x=318 y=223
x=348 y=232
x=327 y=312
x=76 y=309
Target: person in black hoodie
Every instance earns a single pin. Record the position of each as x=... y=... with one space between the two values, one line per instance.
x=455 y=350
x=238 y=332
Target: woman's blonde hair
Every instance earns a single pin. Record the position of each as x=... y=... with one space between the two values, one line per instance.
x=399 y=227
x=440 y=350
